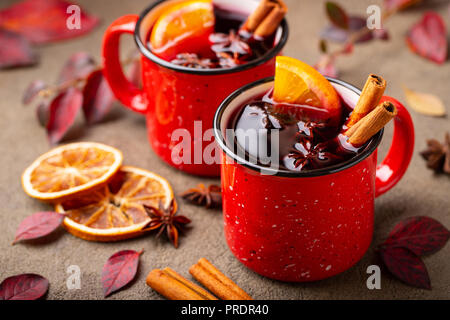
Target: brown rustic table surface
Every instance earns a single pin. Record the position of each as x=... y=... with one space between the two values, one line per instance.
x=22 y=140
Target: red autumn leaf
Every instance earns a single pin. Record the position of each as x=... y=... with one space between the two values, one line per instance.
x=79 y=65
x=63 y=111
x=97 y=97
x=381 y=34
x=323 y=46
x=42 y=21
x=356 y=23
x=43 y=112
x=32 y=91
x=119 y=270
x=38 y=225
x=399 y=4
x=326 y=66
x=26 y=286
x=15 y=50
x=337 y=15
x=406 y=266
x=428 y=38
x=420 y=235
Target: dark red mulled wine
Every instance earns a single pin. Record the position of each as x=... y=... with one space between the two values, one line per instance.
x=228 y=46
x=304 y=140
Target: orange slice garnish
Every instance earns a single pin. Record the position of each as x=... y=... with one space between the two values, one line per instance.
x=116 y=211
x=298 y=83
x=70 y=170
x=183 y=27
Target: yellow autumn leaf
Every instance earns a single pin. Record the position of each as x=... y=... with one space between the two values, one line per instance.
x=425 y=103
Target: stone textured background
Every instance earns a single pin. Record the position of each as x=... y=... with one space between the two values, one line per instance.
x=22 y=140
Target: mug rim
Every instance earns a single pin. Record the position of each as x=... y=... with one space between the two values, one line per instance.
x=273 y=52
x=221 y=141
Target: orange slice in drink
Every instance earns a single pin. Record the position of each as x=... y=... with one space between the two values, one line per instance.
x=298 y=83
x=183 y=27
x=116 y=211
x=69 y=170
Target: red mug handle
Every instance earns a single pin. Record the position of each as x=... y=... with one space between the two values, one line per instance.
x=127 y=93
x=394 y=166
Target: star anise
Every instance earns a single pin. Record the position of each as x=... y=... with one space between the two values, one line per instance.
x=437 y=154
x=309 y=156
x=230 y=48
x=308 y=129
x=210 y=196
x=166 y=219
x=192 y=60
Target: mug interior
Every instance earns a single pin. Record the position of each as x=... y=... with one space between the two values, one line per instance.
x=152 y=13
x=229 y=107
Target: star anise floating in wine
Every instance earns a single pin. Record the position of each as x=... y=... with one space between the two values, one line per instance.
x=163 y=218
x=309 y=129
x=192 y=60
x=230 y=48
x=210 y=197
x=437 y=155
x=307 y=156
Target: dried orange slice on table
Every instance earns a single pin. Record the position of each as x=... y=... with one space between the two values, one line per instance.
x=70 y=170
x=116 y=211
x=298 y=83
x=183 y=27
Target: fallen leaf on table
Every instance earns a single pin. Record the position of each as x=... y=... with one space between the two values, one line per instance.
x=33 y=90
x=355 y=24
x=425 y=103
x=79 y=65
x=410 y=239
x=62 y=113
x=26 y=286
x=406 y=266
x=420 y=235
x=337 y=15
x=428 y=38
x=38 y=225
x=15 y=50
x=43 y=112
x=97 y=97
x=43 y=21
x=119 y=270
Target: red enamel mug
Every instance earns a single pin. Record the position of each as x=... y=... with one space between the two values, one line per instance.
x=176 y=98
x=305 y=226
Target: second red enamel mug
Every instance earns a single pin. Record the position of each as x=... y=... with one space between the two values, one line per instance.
x=305 y=226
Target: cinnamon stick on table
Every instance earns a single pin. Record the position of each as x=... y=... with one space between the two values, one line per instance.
x=209 y=276
x=175 y=287
x=365 y=128
x=266 y=18
x=370 y=97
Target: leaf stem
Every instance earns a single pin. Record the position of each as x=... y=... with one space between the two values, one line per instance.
x=51 y=90
x=353 y=38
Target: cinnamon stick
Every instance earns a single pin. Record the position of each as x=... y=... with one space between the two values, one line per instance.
x=223 y=287
x=266 y=18
x=362 y=131
x=370 y=97
x=175 y=287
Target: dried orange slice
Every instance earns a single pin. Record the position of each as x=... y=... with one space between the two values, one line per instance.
x=116 y=211
x=184 y=26
x=298 y=83
x=70 y=169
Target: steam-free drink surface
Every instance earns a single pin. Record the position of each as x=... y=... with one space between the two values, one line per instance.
x=304 y=140
x=227 y=47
